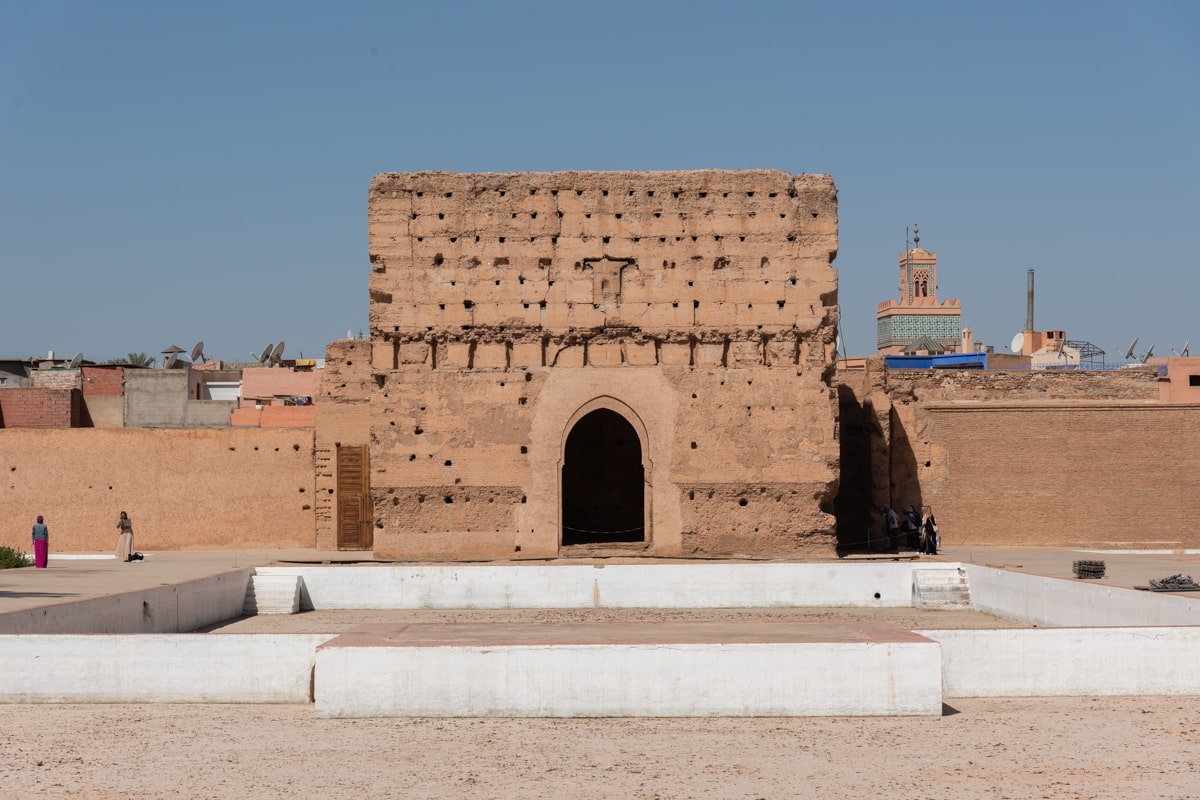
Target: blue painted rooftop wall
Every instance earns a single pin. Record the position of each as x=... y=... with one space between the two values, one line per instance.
x=946 y=361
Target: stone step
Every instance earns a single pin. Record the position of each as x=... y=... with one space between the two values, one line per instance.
x=272 y=594
x=941 y=589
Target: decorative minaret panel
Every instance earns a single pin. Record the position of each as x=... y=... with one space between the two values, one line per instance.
x=918 y=322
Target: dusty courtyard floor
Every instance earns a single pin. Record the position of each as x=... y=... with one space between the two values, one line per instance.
x=1018 y=748
x=329 y=621
x=1094 y=748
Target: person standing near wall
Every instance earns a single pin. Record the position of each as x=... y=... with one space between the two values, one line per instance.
x=124 y=537
x=41 y=543
x=929 y=532
x=891 y=523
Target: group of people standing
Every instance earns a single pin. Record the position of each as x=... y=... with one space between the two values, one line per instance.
x=920 y=531
x=41 y=541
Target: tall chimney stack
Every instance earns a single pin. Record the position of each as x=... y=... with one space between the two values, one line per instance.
x=1029 y=304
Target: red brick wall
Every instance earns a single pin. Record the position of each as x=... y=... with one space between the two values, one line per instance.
x=103 y=381
x=40 y=408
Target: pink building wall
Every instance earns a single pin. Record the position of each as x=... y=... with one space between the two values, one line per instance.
x=267 y=382
x=1182 y=383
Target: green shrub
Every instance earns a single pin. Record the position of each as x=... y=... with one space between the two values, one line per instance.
x=11 y=558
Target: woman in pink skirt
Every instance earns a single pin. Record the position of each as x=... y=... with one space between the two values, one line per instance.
x=41 y=544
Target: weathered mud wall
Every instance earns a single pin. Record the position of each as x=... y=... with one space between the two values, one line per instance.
x=184 y=489
x=1092 y=474
x=1018 y=457
x=698 y=306
x=343 y=407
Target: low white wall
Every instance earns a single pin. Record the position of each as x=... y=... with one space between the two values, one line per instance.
x=604 y=585
x=178 y=608
x=175 y=668
x=823 y=679
x=1069 y=661
x=1057 y=602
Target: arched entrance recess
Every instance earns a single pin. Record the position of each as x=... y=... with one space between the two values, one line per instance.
x=603 y=477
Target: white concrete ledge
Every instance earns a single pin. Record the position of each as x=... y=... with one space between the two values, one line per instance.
x=177 y=608
x=176 y=668
x=677 y=680
x=1059 y=602
x=1069 y=661
x=604 y=586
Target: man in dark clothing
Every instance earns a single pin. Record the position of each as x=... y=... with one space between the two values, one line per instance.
x=912 y=528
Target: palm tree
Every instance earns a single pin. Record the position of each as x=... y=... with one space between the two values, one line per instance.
x=133 y=360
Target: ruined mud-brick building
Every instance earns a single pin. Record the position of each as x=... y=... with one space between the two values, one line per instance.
x=574 y=362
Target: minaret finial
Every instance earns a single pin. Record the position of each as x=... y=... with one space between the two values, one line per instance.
x=916 y=235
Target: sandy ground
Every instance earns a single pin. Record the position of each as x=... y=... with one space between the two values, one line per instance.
x=326 y=621
x=996 y=748
x=1094 y=748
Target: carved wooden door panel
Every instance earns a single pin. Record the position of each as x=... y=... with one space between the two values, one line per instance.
x=354 y=510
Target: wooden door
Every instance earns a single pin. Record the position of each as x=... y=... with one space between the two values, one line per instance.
x=355 y=514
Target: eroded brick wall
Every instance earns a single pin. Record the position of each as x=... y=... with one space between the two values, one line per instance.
x=699 y=305
x=343 y=408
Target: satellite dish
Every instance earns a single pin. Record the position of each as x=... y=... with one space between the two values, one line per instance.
x=1183 y=352
x=1129 y=350
x=265 y=354
x=198 y=352
x=1149 y=353
x=76 y=361
x=170 y=362
x=1018 y=343
x=277 y=354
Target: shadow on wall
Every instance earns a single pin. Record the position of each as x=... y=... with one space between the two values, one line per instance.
x=905 y=481
x=853 y=506
x=877 y=466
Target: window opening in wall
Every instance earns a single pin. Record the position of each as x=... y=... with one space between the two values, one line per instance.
x=1193 y=380
x=602 y=481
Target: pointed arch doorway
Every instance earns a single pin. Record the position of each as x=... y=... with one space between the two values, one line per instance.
x=603 y=480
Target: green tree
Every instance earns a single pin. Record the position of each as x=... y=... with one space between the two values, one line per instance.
x=133 y=359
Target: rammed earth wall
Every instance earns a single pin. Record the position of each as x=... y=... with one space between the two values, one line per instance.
x=1081 y=458
x=698 y=307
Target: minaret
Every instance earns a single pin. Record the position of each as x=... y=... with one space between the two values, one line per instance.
x=918 y=320
x=918 y=272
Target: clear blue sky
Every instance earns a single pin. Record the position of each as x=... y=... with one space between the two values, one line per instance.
x=180 y=171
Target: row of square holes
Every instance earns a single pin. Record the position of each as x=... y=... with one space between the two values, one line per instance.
x=604 y=192
x=721 y=262
x=469 y=304
x=616 y=215
x=554 y=239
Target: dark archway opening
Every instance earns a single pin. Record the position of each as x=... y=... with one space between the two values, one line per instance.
x=602 y=482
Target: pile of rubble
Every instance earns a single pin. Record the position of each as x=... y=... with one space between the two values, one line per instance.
x=1175 y=583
